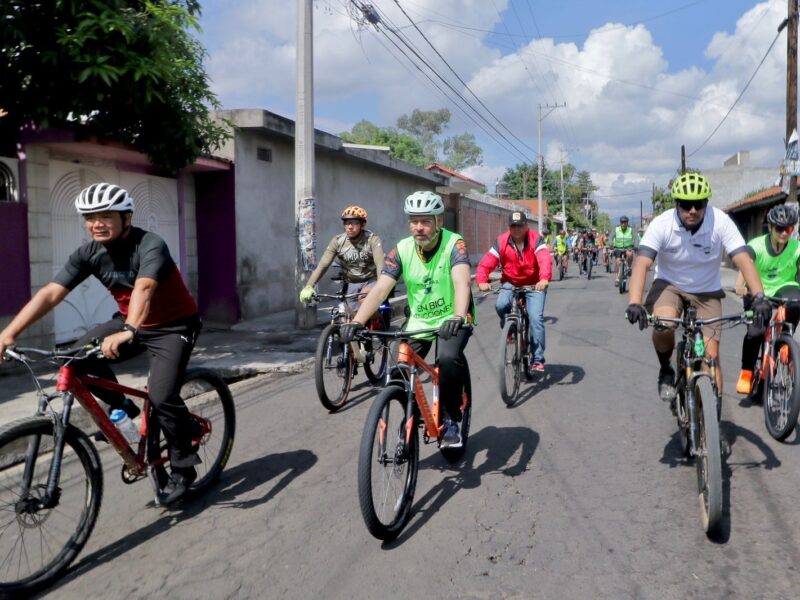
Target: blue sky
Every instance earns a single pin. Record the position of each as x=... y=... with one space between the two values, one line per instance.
x=639 y=77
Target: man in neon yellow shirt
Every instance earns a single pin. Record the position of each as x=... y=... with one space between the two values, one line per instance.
x=435 y=267
x=777 y=259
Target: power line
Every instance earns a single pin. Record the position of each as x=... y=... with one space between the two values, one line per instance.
x=376 y=17
x=510 y=149
x=464 y=83
x=739 y=97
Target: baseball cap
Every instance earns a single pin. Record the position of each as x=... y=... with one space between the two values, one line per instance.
x=517 y=218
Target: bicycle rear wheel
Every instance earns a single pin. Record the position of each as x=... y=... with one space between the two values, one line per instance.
x=708 y=458
x=782 y=389
x=210 y=403
x=452 y=455
x=333 y=369
x=38 y=543
x=509 y=362
x=387 y=464
x=375 y=365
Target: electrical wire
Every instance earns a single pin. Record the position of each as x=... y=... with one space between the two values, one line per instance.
x=464 y=83
x=739 y=97
x=510 y=149
x=389 y=26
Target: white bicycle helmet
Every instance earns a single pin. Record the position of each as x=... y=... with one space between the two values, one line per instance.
x=424 y=203
x=103 y=196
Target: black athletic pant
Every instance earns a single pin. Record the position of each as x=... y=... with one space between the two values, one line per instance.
x=754 y=338
x=169 y=347
x=452 y=364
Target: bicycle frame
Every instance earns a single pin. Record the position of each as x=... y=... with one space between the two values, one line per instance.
x=72 y=386
x=775 y=329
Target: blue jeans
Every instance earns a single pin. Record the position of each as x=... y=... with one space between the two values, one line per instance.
x=535 y=304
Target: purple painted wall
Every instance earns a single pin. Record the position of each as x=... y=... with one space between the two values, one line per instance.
x=15 y=270
x=215 y=196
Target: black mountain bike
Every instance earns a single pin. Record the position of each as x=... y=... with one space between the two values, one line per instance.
x=697 y=407
x=514 y=357
x=587 y=261
x=335 y=362
x=624 y=269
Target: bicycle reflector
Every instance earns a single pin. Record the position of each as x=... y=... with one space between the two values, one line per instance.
x=699 y=348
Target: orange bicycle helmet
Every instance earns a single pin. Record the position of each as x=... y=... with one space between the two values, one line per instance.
x=354 y=212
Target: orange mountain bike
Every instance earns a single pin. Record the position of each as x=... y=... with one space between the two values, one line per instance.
x=389 y=456
x=51 y=478
x=777 y=374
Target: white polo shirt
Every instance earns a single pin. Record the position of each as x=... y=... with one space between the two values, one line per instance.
x=691 y=262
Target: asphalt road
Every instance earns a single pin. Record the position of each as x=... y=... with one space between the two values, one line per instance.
x=578 y=491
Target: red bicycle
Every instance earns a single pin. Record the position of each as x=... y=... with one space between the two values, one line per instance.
x=51 y=479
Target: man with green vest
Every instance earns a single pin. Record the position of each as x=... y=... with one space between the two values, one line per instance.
x=777 y=259
x=435 y=267
x=624 y=241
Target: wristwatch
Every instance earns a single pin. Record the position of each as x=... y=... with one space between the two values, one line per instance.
x=132 y=329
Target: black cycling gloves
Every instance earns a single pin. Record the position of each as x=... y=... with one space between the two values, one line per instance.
x=347 y=331
x=762 y=310
x=450 y=327
x=637 y=313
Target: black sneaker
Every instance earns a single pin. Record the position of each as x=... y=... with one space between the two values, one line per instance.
x=179 y=483
x=666 y=384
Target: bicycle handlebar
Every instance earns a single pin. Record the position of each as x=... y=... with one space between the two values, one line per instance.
x=18 y=353
x=742 y=317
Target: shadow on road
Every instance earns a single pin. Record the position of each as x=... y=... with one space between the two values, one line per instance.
x=730 y=433
x=501 y=445
x=233 y=483
x=553 y=375
x=359 y=393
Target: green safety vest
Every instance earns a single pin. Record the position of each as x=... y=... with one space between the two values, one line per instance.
x=429 y=285
x=779 y=271
x=561 y=244
x=623 y=239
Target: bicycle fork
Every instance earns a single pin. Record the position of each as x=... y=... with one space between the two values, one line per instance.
x=52 y=491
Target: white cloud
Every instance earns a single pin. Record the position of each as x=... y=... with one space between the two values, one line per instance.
x=627 y=112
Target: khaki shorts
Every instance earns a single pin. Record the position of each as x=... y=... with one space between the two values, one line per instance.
x=664 y=294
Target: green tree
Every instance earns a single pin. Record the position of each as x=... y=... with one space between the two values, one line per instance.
x=662 y=200
x=427 y=127
x=402 y=146
x=461 y=151
x=424 y=126
x=124 y=70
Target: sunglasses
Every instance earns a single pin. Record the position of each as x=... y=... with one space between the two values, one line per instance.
x=688 y=205
x=788 y=229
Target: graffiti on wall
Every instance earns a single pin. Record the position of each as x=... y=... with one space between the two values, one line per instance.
x=307 y=233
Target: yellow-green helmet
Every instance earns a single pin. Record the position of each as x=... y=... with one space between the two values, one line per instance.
x=691 y=186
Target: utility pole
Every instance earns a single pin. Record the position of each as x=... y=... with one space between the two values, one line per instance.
x=304 y=203
x=791 y=87
x=540 y=157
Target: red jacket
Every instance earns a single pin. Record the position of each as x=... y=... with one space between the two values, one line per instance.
x=528 y=267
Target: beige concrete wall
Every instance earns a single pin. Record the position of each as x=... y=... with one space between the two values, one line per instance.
x=40 y=243
x=265 y=227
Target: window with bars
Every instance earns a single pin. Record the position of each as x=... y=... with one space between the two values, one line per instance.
x=8 y=185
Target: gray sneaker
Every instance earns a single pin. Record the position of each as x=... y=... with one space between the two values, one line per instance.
x=666 y=384
x=451 y=438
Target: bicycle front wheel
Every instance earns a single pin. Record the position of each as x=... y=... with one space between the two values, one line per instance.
x=387 y=464
x=39 y=541
x=333 y=369
x=708 y=458
x=589 y=268
x=782 y=389
x=509 y=362
x=210 y=403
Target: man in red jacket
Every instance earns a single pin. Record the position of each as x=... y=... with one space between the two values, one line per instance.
x=525 y=260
